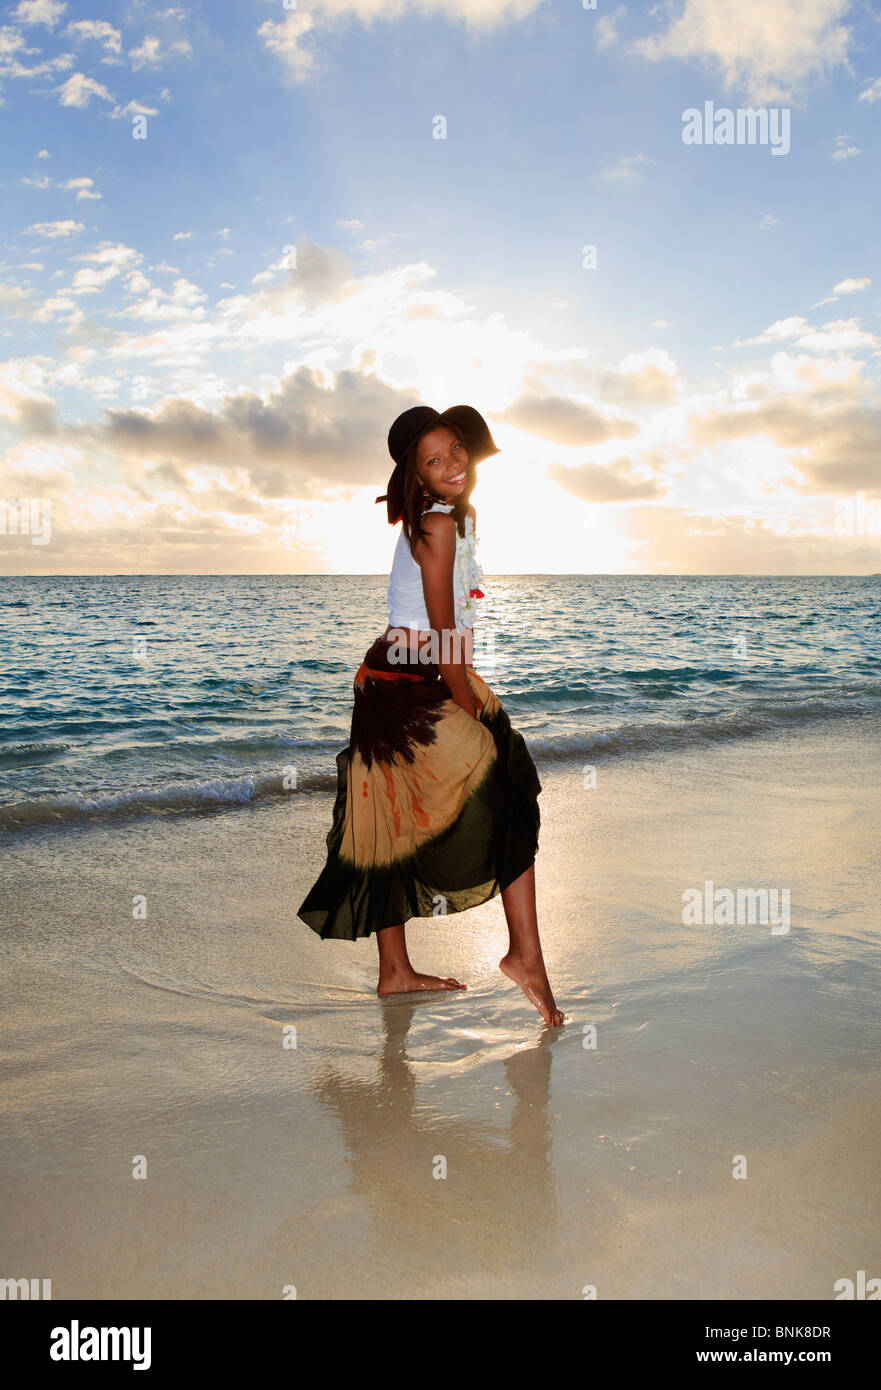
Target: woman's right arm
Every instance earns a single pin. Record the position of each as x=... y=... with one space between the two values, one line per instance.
x=436 y=556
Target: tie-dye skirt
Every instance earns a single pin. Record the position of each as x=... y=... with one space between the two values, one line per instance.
x=435 y=810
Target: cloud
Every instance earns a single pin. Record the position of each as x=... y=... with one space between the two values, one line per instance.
x=321 y=272
x=23 y=402
x=184 y=302
x=12 y=68
x=46 y=12
x=647 y=378
x=836 y=448
x=111 y=259
x=14 y=301
x=622 y=480
x=283 y=39
x=735 y=541
x=872 y=93
x=52 y=230
x=133 y=108
x=849 y=286
x=79 y=89
x=770 y=52
x=629 y=166
x=56 y=305
x=11 y=41
x=299 y=440
x=85 y=188
x=843 y=150
x=838 y=335
x=99 y=30
x=565 y=420
x=150 y=53
x=607 y=27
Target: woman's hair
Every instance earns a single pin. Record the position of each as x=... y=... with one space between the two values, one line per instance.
x=411 y=503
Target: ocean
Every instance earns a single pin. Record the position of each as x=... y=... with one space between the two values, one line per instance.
x=159 y=695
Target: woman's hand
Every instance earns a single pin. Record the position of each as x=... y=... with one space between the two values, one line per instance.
x=470 y=707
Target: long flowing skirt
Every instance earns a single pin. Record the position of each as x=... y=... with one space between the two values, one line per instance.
x=435 y=811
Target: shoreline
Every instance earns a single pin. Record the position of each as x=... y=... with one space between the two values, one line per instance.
x=251 y=791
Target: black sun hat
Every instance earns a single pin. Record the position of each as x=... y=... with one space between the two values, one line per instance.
x=414 y=422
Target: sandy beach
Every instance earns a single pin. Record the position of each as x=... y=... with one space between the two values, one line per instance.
x=567 y=1165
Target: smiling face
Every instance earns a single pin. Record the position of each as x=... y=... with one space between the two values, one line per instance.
x=442 y=463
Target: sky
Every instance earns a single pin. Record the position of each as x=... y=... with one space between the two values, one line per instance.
x=238 y=239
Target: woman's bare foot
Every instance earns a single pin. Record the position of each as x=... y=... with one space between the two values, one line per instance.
x=403 y=981
x=532 y=978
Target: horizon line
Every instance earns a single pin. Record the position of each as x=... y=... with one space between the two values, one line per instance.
x=497 y=574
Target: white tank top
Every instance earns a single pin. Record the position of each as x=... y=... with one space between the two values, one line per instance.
x=406 y=601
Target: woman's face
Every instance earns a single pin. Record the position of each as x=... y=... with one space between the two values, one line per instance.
x=442 y=463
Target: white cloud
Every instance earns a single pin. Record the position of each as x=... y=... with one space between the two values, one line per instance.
x=79 y=89
x=184 y=302
x=769 y=51
x=843 y=150
x=99 y=30
x=47 y=12
x=851 y=286
x=12 y=68
x=55 y=229
x=607 y=27
x=629 y=166
x=283 y=39
x=839 y=335
x=55 y=304
x=85 y=188
x=112 y=258
x=14 y=301
x=151 y=53
x=23 y=402
x=133 y=108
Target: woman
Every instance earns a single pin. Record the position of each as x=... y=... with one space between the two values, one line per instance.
x=437 y=796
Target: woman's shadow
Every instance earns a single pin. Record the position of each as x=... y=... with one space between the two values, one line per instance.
x=451 y=1193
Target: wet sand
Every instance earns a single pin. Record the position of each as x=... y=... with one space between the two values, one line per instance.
x=566 y=1165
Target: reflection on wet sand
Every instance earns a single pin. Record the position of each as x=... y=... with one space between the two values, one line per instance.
x=497 y=1203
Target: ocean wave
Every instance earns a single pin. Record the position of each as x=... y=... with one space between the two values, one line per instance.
x=624 y=740
x=213 y=747
x=772 y=717
x=14 y=754
x=679 y=673
x=175 y=798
